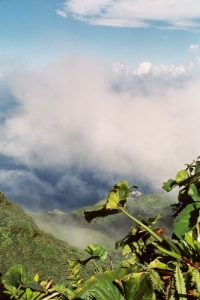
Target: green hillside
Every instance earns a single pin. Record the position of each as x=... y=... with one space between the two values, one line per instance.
x=21 y=241
x=24 y=242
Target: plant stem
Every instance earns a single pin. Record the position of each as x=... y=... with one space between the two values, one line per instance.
x=158 y=238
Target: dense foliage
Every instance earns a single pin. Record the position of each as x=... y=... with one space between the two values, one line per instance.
x=154 y=266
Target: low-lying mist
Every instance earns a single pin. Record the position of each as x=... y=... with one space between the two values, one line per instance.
x=73 y=228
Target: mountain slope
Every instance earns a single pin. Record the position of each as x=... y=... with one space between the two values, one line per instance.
x=21 y=241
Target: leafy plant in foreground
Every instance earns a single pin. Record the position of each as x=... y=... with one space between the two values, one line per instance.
x=18 y=285
x=149 y=251
x=186 y=211
x=154 y=266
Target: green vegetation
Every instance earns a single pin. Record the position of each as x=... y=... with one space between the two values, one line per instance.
x=22 y=242
x=153 y=265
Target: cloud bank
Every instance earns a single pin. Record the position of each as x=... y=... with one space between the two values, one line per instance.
x=80 y=123
x=174 y=14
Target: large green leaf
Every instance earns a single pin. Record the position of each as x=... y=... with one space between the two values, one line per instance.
x=16 y=276
x=116 y=199
x=118 y=196
x=136 y=286
x=181 y=176
x=186 y=220
x=112 y=200
x=169 y=185
x=101 y=287
x=193 y=192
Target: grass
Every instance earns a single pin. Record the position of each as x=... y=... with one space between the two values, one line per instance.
x=21 y=241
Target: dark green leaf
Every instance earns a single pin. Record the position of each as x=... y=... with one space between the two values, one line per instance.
x=136 y=286
x=193 y=192
x=186 y=220
x=197 y=168
x=102 y=212
x=101 y=287
x=16 y=276
x=169 y=185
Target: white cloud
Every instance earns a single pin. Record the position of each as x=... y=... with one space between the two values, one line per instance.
x=184 y=24
x=160 y=71
x=77 y=112
x=182 y=14
x=144 y=68
x=61 y=13
x=194 y=47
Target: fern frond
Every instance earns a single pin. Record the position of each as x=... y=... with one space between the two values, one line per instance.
x=180 y=283
x=195 y=277
x=156 y=281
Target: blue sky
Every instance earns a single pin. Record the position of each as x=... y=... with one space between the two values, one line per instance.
x=33 y=31
x=92 y=91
